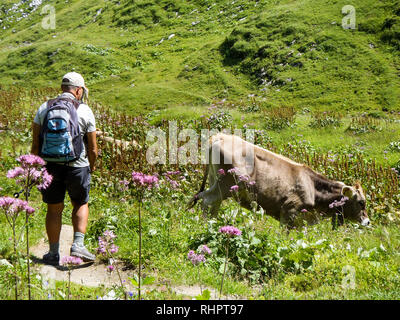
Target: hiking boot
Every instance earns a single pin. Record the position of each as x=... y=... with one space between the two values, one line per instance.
x=82 y=252
x=51 y=259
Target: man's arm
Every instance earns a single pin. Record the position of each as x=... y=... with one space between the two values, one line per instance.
x=92 y=150
x=35 y=139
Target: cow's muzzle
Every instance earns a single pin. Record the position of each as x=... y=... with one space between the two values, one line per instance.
x=365 y=222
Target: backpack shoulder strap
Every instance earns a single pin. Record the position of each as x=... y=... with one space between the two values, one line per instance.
x=51 y=102
x=75 y=102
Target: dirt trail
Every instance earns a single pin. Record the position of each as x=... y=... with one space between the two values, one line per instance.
x=95 y=274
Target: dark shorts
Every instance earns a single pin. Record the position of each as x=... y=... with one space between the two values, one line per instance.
x=65 y=178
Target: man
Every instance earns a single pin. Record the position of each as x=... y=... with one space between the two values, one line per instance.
x=73 y=177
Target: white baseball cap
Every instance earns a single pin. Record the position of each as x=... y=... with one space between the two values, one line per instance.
x=76 y=80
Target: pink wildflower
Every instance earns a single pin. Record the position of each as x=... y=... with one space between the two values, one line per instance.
x=31 y=170
x=70 y=261
x=30 y=160
x=244 y=178
x=233 y=170
x=106 y=243
x=110 y=268
x=13 y=206
x=195 y=259
x=143 y=180
x=204 y=249
x=234 y=188
x=230 y=230
x=338 y=203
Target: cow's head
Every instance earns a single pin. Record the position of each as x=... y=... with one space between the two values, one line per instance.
x=354 y=208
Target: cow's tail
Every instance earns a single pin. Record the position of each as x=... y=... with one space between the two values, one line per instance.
x=195 y=198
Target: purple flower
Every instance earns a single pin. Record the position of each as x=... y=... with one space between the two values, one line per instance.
x=338 y=203
x=230 y=230
x=13 y=206
x=304 y=210
x=234 y=188
x=194 y=258
x=110 y=268
x=106 y=243
x=174 y=184
x=244 y=178
x=30 y=160
x=15 y=173
x=70 y=261
x=124 y=185
x=221 y=172
x=233 y=170
x=204 y=249
x=114 y=248
x=46 y=180
x=142 y=180
x=32 y=171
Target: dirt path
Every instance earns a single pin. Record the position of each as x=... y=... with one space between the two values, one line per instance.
x=95 y=274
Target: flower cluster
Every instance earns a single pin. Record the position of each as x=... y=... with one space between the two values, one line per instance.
x=106 y=243
x=110 y=268
x=340 y=203
x=168 y=177
x=234 y=188
x=124 y=185
x=233 y=170
x=13 y=206
x=195 y=258
x=204 y=249
x=30 y=160
x=31 y=170
x=70 y=261
x=221 y=172
x=230 y=230
x=143 y=180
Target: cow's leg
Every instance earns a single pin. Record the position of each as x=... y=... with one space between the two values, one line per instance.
x=287 y=220
x=288 y=215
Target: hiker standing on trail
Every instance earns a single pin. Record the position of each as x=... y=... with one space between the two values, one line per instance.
x=64 y=134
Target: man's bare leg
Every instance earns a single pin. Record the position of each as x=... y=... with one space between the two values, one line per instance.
x=54 y=221
x=80 y=216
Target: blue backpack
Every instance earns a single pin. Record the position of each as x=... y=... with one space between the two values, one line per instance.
x=60 y=135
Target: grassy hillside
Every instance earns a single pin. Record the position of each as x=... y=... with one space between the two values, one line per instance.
x=145 y=55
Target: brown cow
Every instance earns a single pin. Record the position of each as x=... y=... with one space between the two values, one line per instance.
x=288 y=191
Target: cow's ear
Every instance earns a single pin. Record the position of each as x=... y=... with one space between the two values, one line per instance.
x=348 y=191
x=357 y=185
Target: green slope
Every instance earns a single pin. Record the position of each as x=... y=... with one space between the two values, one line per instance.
x=143 y=55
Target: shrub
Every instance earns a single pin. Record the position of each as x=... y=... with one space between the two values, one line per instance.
x=326 y=119
x=280 y=118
